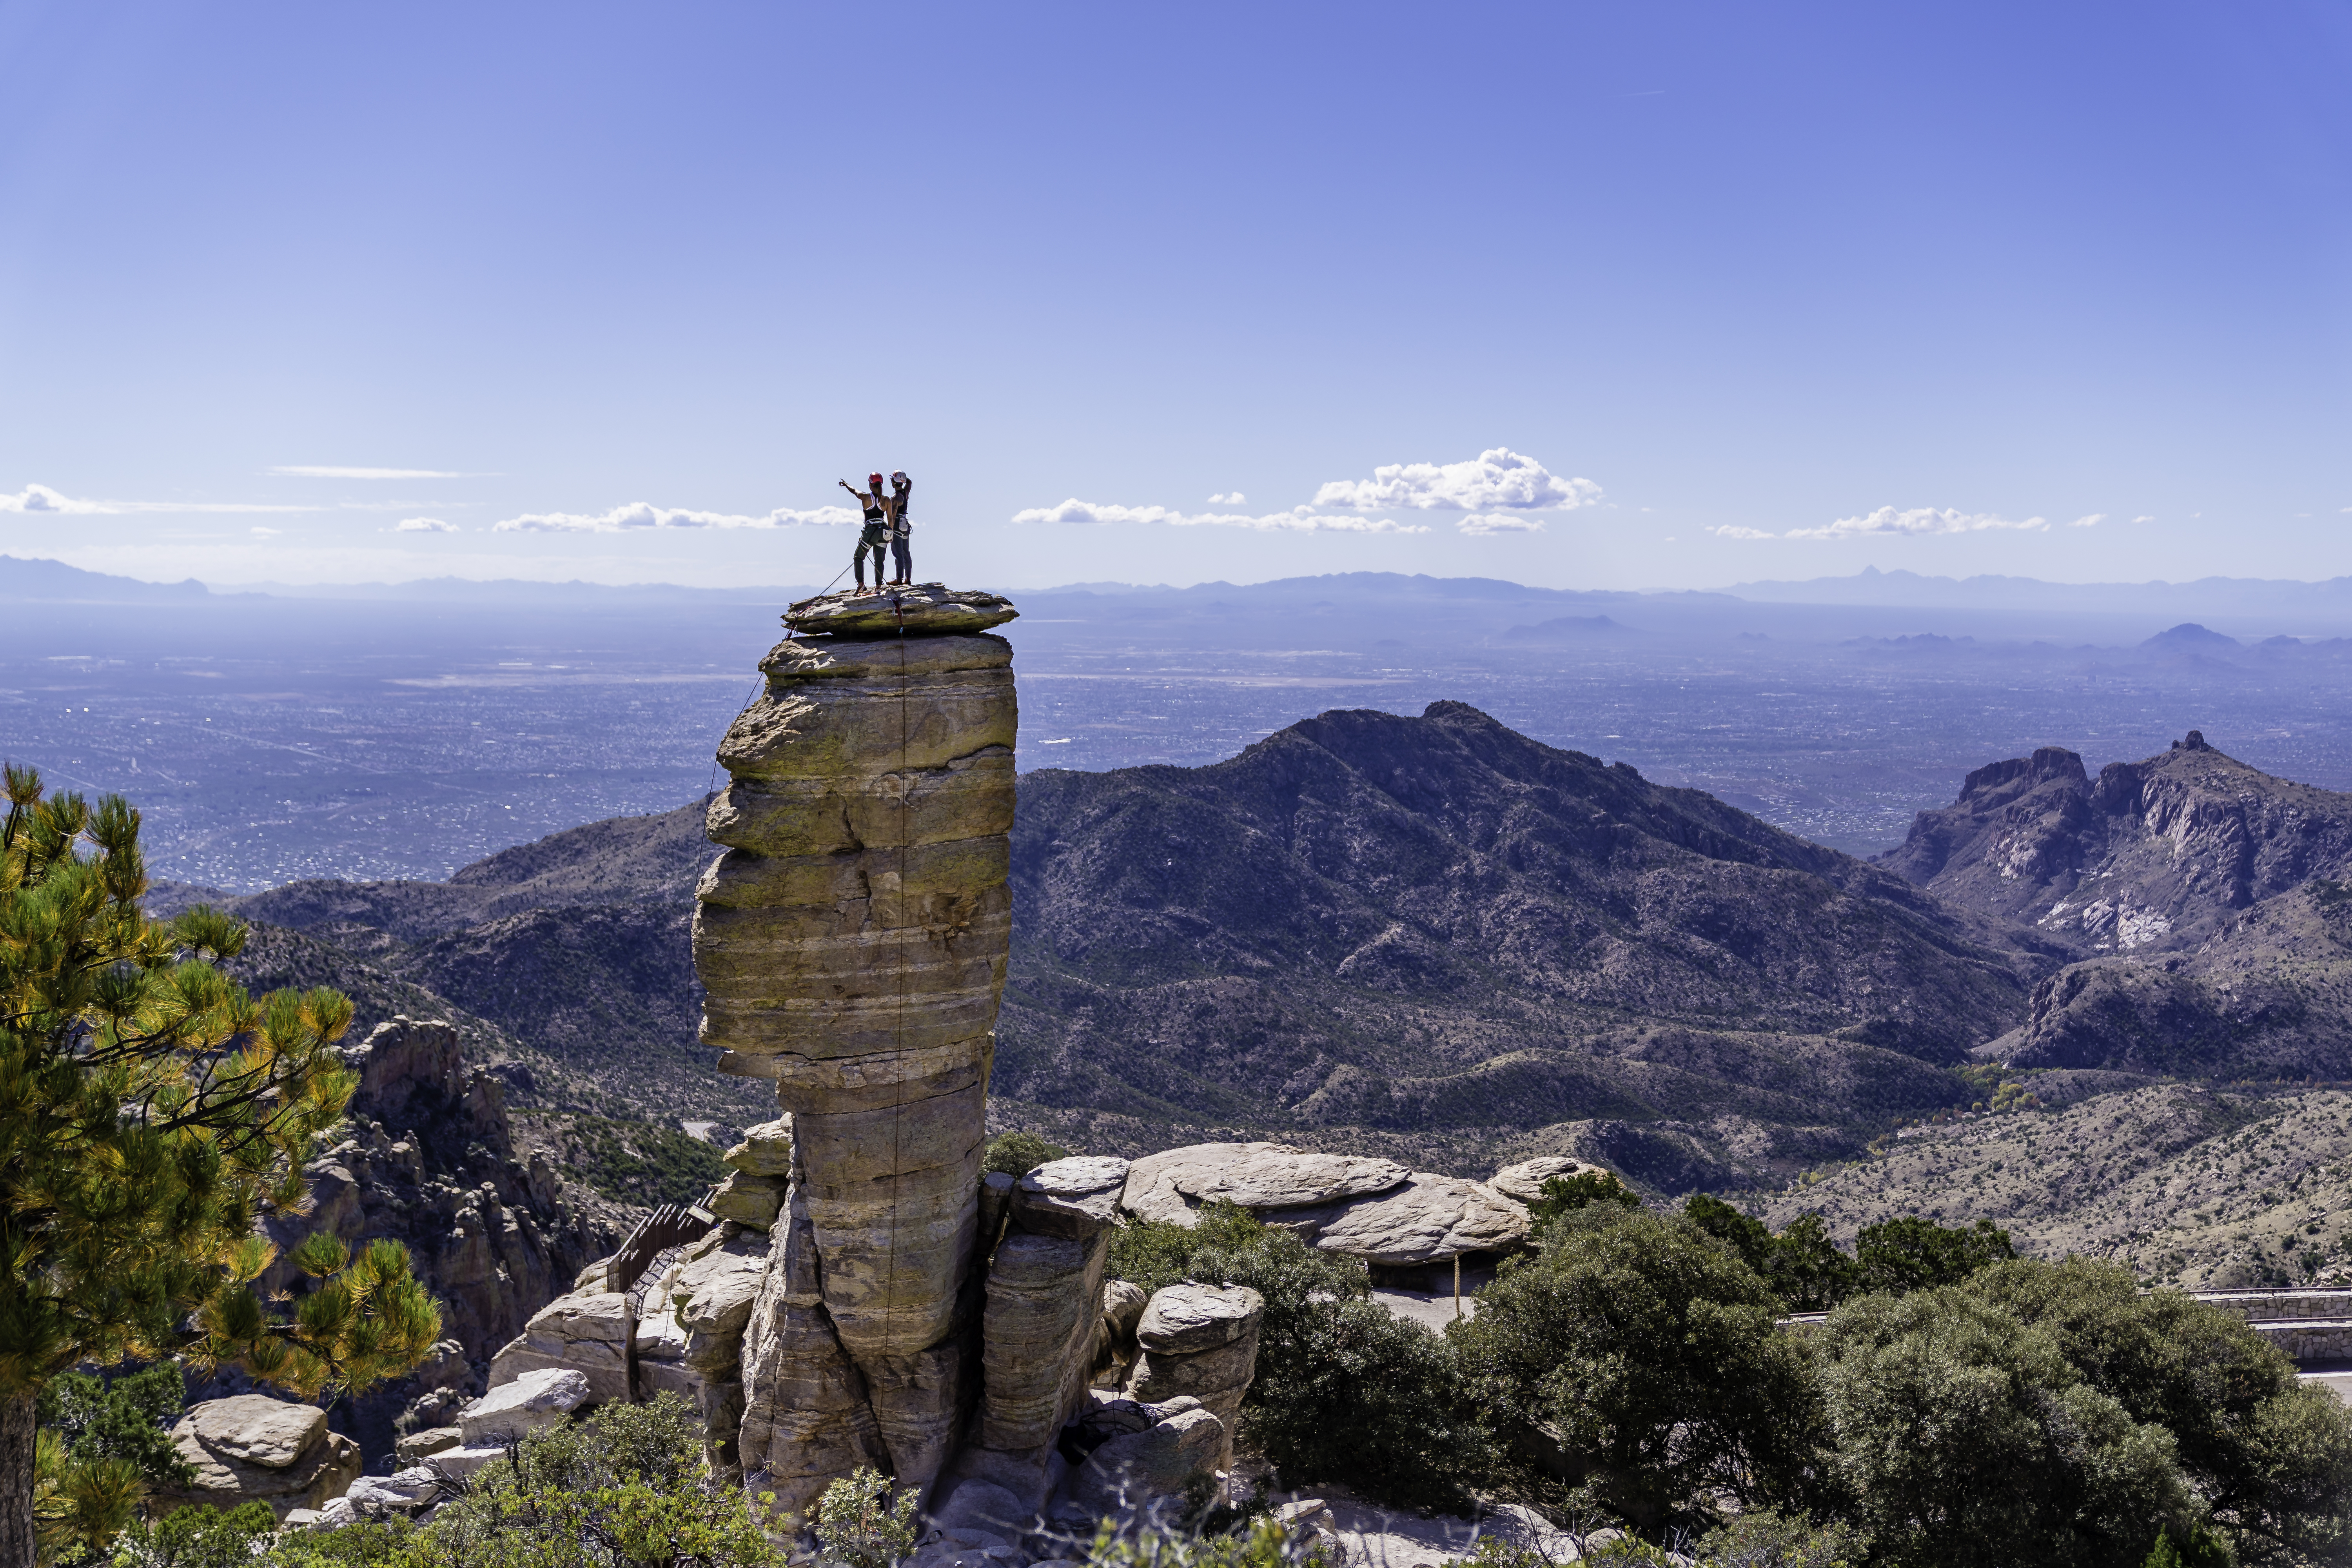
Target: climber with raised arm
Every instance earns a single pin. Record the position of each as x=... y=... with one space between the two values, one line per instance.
x=902 y=553
x=875 y=533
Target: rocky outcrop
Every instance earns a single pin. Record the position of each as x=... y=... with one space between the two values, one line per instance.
x=431 y=1164
x=588 y=1332
x=851 y=942
x=1200 y=1341
x=1379 y=1212
x=1145 y=1453
x=253 y=1448
x=1524 y=1181
x=536 y=1399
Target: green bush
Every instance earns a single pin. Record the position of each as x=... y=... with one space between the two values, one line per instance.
x=626 y=1487
x=2272 y=1457
x=128 y=1418
x=1256 y=1542
x=1803 y=1266
x=1566 y=1194
x=1965 y=1437
x=1769 y=1540
x=198 y=1537
x=861 y=1526
x=1018 y=1153
x=1914 y=1254
x=1648 y=1353
x=1342 y=1391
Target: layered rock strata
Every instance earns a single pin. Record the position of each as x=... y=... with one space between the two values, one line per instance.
x=852 y=943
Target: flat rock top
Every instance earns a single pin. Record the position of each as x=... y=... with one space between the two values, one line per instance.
x=254 y=1428
x=1081 y=1175
x=1184 y=1319
x=925 y=609
x=547 y=1388
x=1275 y=1177
x=1154 y=1183
x=1427 y=1220
x=1525 y=1180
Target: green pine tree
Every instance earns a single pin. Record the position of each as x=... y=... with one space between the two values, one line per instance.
x=150 y=1112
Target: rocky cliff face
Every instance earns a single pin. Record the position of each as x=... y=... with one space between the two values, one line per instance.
x=431 y=1163
x=2199 y=894
x=2152 y=856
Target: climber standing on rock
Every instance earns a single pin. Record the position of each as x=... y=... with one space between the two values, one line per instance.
x=902 y=551
x=875 y=533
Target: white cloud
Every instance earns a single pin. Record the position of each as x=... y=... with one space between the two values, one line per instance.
x=422 y=525
x=2150 y=517
x=641 y=515
x=41 y=499
x=259 y=532
x=1733 y=531
x=1236 y=499
x=1497 y=478
x=1913 y=522
x=1298 y=520
x=2092 y=521
x=311 y=471
x=1498 y=522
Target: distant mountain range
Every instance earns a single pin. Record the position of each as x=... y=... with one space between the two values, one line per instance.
x=2291 y=605
x=1436 y=938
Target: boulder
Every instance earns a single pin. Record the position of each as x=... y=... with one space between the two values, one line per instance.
x=1524 y=1181
x=1184 y=1320
x=459 y=1464
x=1200 y=1341
x=1076 y=1198
x=920 y=609
x=1158 y=1184
x=1427 y=1220
x=253 y=1448
x=1045 y=1297
x=1278 y=1177
x=995 y=1199
x=766 y=1150
x=983 y=1505
x=544 y=1397
x=750 y=1200
x=415 y=1448
x=407 y=1491
x=1132 y=1470
x=588 y=1332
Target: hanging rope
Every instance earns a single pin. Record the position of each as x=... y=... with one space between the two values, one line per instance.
x=899 y=1108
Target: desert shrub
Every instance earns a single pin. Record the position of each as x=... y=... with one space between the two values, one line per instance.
x=1565 y=1194
x=1649 y=1353
x=1018 y=1153
x=641 y=1162
x=2270 y=1458
x=1353 y=1394
x=1965 y=1438
x=1802 y=1264
x=860 y=1525
x=1914 y=1254
x=128 y=1417
x=1767 y=1538
x=198 y=1537
x=1257 y=1541
x=626 y=1487
x=1343 y=1390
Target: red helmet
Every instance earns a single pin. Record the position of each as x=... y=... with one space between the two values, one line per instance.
x=873 y=480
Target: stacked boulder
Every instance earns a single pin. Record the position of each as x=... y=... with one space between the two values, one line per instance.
x=1394 y=1220
x=1199 y=1341
x=851 y=944
x=250 y=1447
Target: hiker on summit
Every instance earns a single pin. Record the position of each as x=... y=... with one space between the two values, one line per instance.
x=876 y=534
x=902 y=553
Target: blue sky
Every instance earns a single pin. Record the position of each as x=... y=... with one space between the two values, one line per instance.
x=1922 y=287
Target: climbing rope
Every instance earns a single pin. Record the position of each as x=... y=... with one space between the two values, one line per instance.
x=899 y=1106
